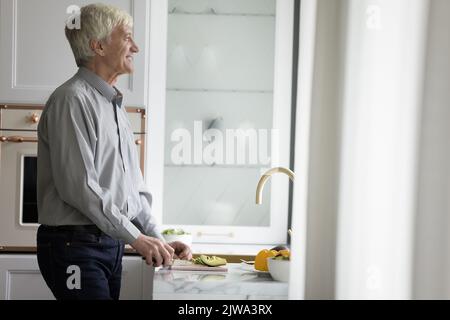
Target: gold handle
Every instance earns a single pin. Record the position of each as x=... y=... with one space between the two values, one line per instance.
x=230 y=235
x=138 y=142
x=17 y=139
x=34 y=118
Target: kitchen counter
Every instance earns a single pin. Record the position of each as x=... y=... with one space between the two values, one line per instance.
x=32 y=250
x=239 y=282
x=129 y=251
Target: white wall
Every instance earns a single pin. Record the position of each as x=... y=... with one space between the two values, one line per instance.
x=324 y=153
x=431 y=276
x=313 y=242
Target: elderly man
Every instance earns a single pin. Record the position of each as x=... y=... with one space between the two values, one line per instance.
x=91 y=196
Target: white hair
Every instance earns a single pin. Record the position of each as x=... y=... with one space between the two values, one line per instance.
x=97 y=21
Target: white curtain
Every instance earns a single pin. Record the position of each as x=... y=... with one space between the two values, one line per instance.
x=371 y=146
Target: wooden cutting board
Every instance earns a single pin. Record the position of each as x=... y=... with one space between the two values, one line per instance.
x=184 y=265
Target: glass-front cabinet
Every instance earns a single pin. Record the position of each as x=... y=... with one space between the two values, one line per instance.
x=227 y=119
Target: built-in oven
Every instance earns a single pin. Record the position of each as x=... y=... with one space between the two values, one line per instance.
x=18 y=170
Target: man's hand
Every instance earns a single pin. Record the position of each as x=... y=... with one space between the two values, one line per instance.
x=182 y=250
x=155 y=251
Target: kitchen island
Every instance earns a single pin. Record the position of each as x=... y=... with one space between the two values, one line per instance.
x=240 y=282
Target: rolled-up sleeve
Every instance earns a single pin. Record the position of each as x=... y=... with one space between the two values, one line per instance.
x=72 y=144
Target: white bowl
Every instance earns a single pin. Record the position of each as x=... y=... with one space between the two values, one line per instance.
x=279 y=269
x=185 y=238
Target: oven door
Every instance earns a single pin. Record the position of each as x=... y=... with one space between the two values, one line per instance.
x=18 y=150
x=18 y=215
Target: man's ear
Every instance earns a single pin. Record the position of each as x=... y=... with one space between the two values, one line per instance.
x=97 y=47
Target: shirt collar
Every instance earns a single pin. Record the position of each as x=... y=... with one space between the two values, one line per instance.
x=112 y=94
x=118 y=98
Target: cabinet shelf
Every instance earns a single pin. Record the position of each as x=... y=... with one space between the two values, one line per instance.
x=213 y=12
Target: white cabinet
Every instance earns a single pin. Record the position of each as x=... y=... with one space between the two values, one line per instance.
x=137 y=279
x=30 y=72
x=228 y=67
x=20 y=279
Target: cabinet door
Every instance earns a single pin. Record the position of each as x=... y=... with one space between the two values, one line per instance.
x=132 y=285
x=20 y=279
x=227 y=120
x=137 y=279
x=30 y=72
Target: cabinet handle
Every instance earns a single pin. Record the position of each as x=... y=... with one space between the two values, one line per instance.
x=17 y=139
x=138 y=142
x=34 y=118
x=230 y=234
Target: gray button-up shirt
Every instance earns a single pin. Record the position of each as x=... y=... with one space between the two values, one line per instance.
x=87 y=167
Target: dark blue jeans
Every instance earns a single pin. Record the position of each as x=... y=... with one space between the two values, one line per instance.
x=80 y=263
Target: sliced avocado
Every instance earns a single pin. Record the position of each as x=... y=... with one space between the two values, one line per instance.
x=279 y=247
x=213 y=261
x=197 y=261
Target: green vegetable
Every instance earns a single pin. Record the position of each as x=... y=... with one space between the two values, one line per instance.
x=177 y=232
x=211 y=261
x=197 y=261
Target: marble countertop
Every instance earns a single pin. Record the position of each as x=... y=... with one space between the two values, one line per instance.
x=240 y=281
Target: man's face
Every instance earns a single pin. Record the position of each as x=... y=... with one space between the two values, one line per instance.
x=119 y=51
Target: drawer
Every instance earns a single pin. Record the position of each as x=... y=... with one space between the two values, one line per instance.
x=19 y=118
x=27 y=117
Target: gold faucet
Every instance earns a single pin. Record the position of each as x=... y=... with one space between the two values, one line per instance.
x=262 y=181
